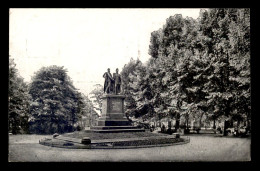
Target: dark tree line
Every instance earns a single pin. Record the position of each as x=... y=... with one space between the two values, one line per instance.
x=197 y=68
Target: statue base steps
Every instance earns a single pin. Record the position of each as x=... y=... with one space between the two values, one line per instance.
x=114 y=123
x=115 y=129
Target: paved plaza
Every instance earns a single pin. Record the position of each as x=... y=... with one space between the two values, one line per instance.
x=26 y=148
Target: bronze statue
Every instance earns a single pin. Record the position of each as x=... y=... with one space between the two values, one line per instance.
x=108 y=85
x=117 y=82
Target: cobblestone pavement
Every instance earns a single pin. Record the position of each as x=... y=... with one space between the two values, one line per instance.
x=23 y=148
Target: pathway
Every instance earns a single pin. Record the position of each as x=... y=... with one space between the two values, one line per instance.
x=201 y=148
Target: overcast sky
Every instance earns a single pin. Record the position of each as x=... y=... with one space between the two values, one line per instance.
x=84 y=41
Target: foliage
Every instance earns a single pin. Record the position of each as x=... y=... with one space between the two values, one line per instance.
x=86 y=113
x=228 y=31
x=198 y=68
x=127 y=75
x=18 y=101
x=54 y=105
x=96 y=96
x=49 y=104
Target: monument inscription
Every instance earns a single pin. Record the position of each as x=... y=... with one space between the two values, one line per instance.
x=116 y=106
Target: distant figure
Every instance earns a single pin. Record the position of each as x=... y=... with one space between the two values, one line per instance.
x=117 y=82
x=108 y=82
x=163 y=129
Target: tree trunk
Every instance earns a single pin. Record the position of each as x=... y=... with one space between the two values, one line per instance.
x=177 y=123
x=169 y=124
x=214 y=124
x=238 y=123
x=186 y=130
x=225 y=128
x=201 y=119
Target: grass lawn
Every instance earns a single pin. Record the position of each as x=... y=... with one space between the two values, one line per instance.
x=119 y=135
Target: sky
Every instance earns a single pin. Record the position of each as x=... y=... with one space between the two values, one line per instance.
x=85 y=41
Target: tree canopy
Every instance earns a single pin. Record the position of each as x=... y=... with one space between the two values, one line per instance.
x=55 y=101
x=18 y=101
x=197 y=67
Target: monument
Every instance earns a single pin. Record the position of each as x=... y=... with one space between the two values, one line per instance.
x=113 y=117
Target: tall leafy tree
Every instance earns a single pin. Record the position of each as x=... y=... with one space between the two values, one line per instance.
x=141 y=92
x=54 y=101
x=228 y=31
x=128 y=76
x=198 y=69
x=18 y=98
x=172 y=76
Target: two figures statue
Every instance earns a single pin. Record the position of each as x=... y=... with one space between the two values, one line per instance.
x=112 y=84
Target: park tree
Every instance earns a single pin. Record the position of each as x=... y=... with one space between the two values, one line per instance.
x=54 y=105
x=81 y=111
x=96 y=95
x=239 y=52
x=155 y=43
x=86 y=112
x=214 y=27
x=204 y=63
x=228 y=46
x=141 y=92
x=18 y=101
x=171 y=73
x=128 y=76
x=198 y=69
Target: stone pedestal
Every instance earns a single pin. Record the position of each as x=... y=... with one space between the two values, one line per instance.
x=113 y=111
x=113 y=117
